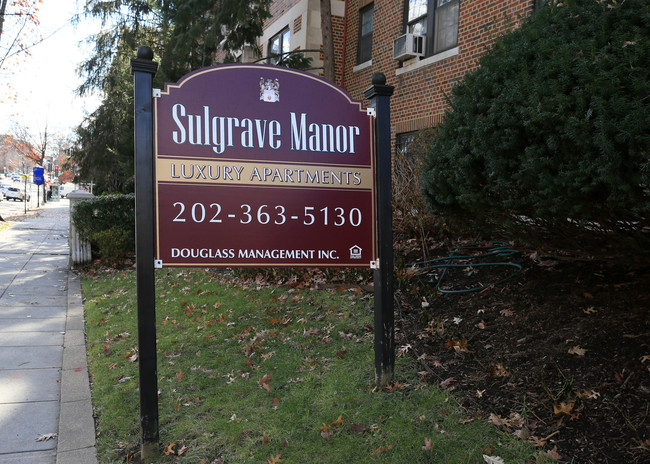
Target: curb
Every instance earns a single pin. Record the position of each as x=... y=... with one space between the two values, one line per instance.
x=76 y=440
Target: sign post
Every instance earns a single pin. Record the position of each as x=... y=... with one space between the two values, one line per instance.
x=379 y=95
x=143 y=70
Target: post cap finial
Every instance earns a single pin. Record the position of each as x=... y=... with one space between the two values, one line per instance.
x=145 y=53
x=378 y=87
x=378 y=79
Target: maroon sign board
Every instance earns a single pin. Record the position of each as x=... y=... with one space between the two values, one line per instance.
x=262 y=166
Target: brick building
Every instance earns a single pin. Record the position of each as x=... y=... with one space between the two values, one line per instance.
x=440 y=40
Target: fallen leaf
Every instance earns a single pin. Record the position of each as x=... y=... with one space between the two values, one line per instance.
x=46 y=437
x=506 y=312
x=588 y=295
x=402 y=350
x=498 y=420
x=427 y=444
x=589 y=394
x=590 y=310
x=382 y=449
x=553 y=454
x=493 y=459
x=479 y=393
x=565 y=407
x=645 y=358
x=275 y=459
x=358 y=428
x=263 y=382
x=169 y=449
x=538 y=442
x=182 y=450
x=498 y=370
x=445 y=383
x=577 y=351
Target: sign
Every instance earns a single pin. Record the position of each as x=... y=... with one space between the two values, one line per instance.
x=262 y=166
x=39 y=176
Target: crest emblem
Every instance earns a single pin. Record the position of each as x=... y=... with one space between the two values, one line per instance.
x=269 y=90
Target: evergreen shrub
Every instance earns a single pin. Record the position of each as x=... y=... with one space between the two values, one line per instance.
x=550 y=134
x=108 y=223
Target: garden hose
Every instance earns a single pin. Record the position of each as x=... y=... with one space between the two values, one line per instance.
x=496 y=248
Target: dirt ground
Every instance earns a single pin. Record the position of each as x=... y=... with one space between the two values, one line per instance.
x=558 y=354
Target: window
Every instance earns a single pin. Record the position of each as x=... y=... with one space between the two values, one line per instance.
x=278 y=44
x=402 y=143
x=435 y=19
x=365 y=34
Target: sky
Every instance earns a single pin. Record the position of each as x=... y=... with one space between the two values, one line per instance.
x=45 y=82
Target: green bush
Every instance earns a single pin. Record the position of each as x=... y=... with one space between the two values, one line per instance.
x=108 y=222
x=113 y=244
x=550 y=133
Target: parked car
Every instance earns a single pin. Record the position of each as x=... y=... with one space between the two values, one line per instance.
x=66 y=188
x=3 y=188
x=14 y=193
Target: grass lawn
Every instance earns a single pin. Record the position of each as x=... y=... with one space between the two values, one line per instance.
x=252 y=373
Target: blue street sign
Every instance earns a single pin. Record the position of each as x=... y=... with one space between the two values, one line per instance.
x=39 y=176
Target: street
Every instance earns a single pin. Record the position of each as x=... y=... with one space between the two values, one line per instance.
x=11 y=208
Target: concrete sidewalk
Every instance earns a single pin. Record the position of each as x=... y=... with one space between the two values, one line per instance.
x=45 y=408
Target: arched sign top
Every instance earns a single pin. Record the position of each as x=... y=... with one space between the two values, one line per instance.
x=247 y=111
x=260 y=68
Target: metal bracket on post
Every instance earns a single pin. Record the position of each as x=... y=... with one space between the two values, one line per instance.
x=374 y=264
x=156 y=93
x=157 y=264
x=372 y=112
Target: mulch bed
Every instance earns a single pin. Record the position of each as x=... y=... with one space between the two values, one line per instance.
x=559 y=354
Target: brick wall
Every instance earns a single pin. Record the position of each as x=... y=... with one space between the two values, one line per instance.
x=277 y=9
x=419 y=98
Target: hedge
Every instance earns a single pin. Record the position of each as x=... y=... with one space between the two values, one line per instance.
x=108 y=222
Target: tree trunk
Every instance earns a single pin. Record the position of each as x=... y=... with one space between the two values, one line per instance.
x=328 y=39
x=3 y=7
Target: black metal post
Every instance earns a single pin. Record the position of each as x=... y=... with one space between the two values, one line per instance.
x=143 y=70
x=379 y=95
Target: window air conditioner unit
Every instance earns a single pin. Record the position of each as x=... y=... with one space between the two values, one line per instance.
x=408 y=46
